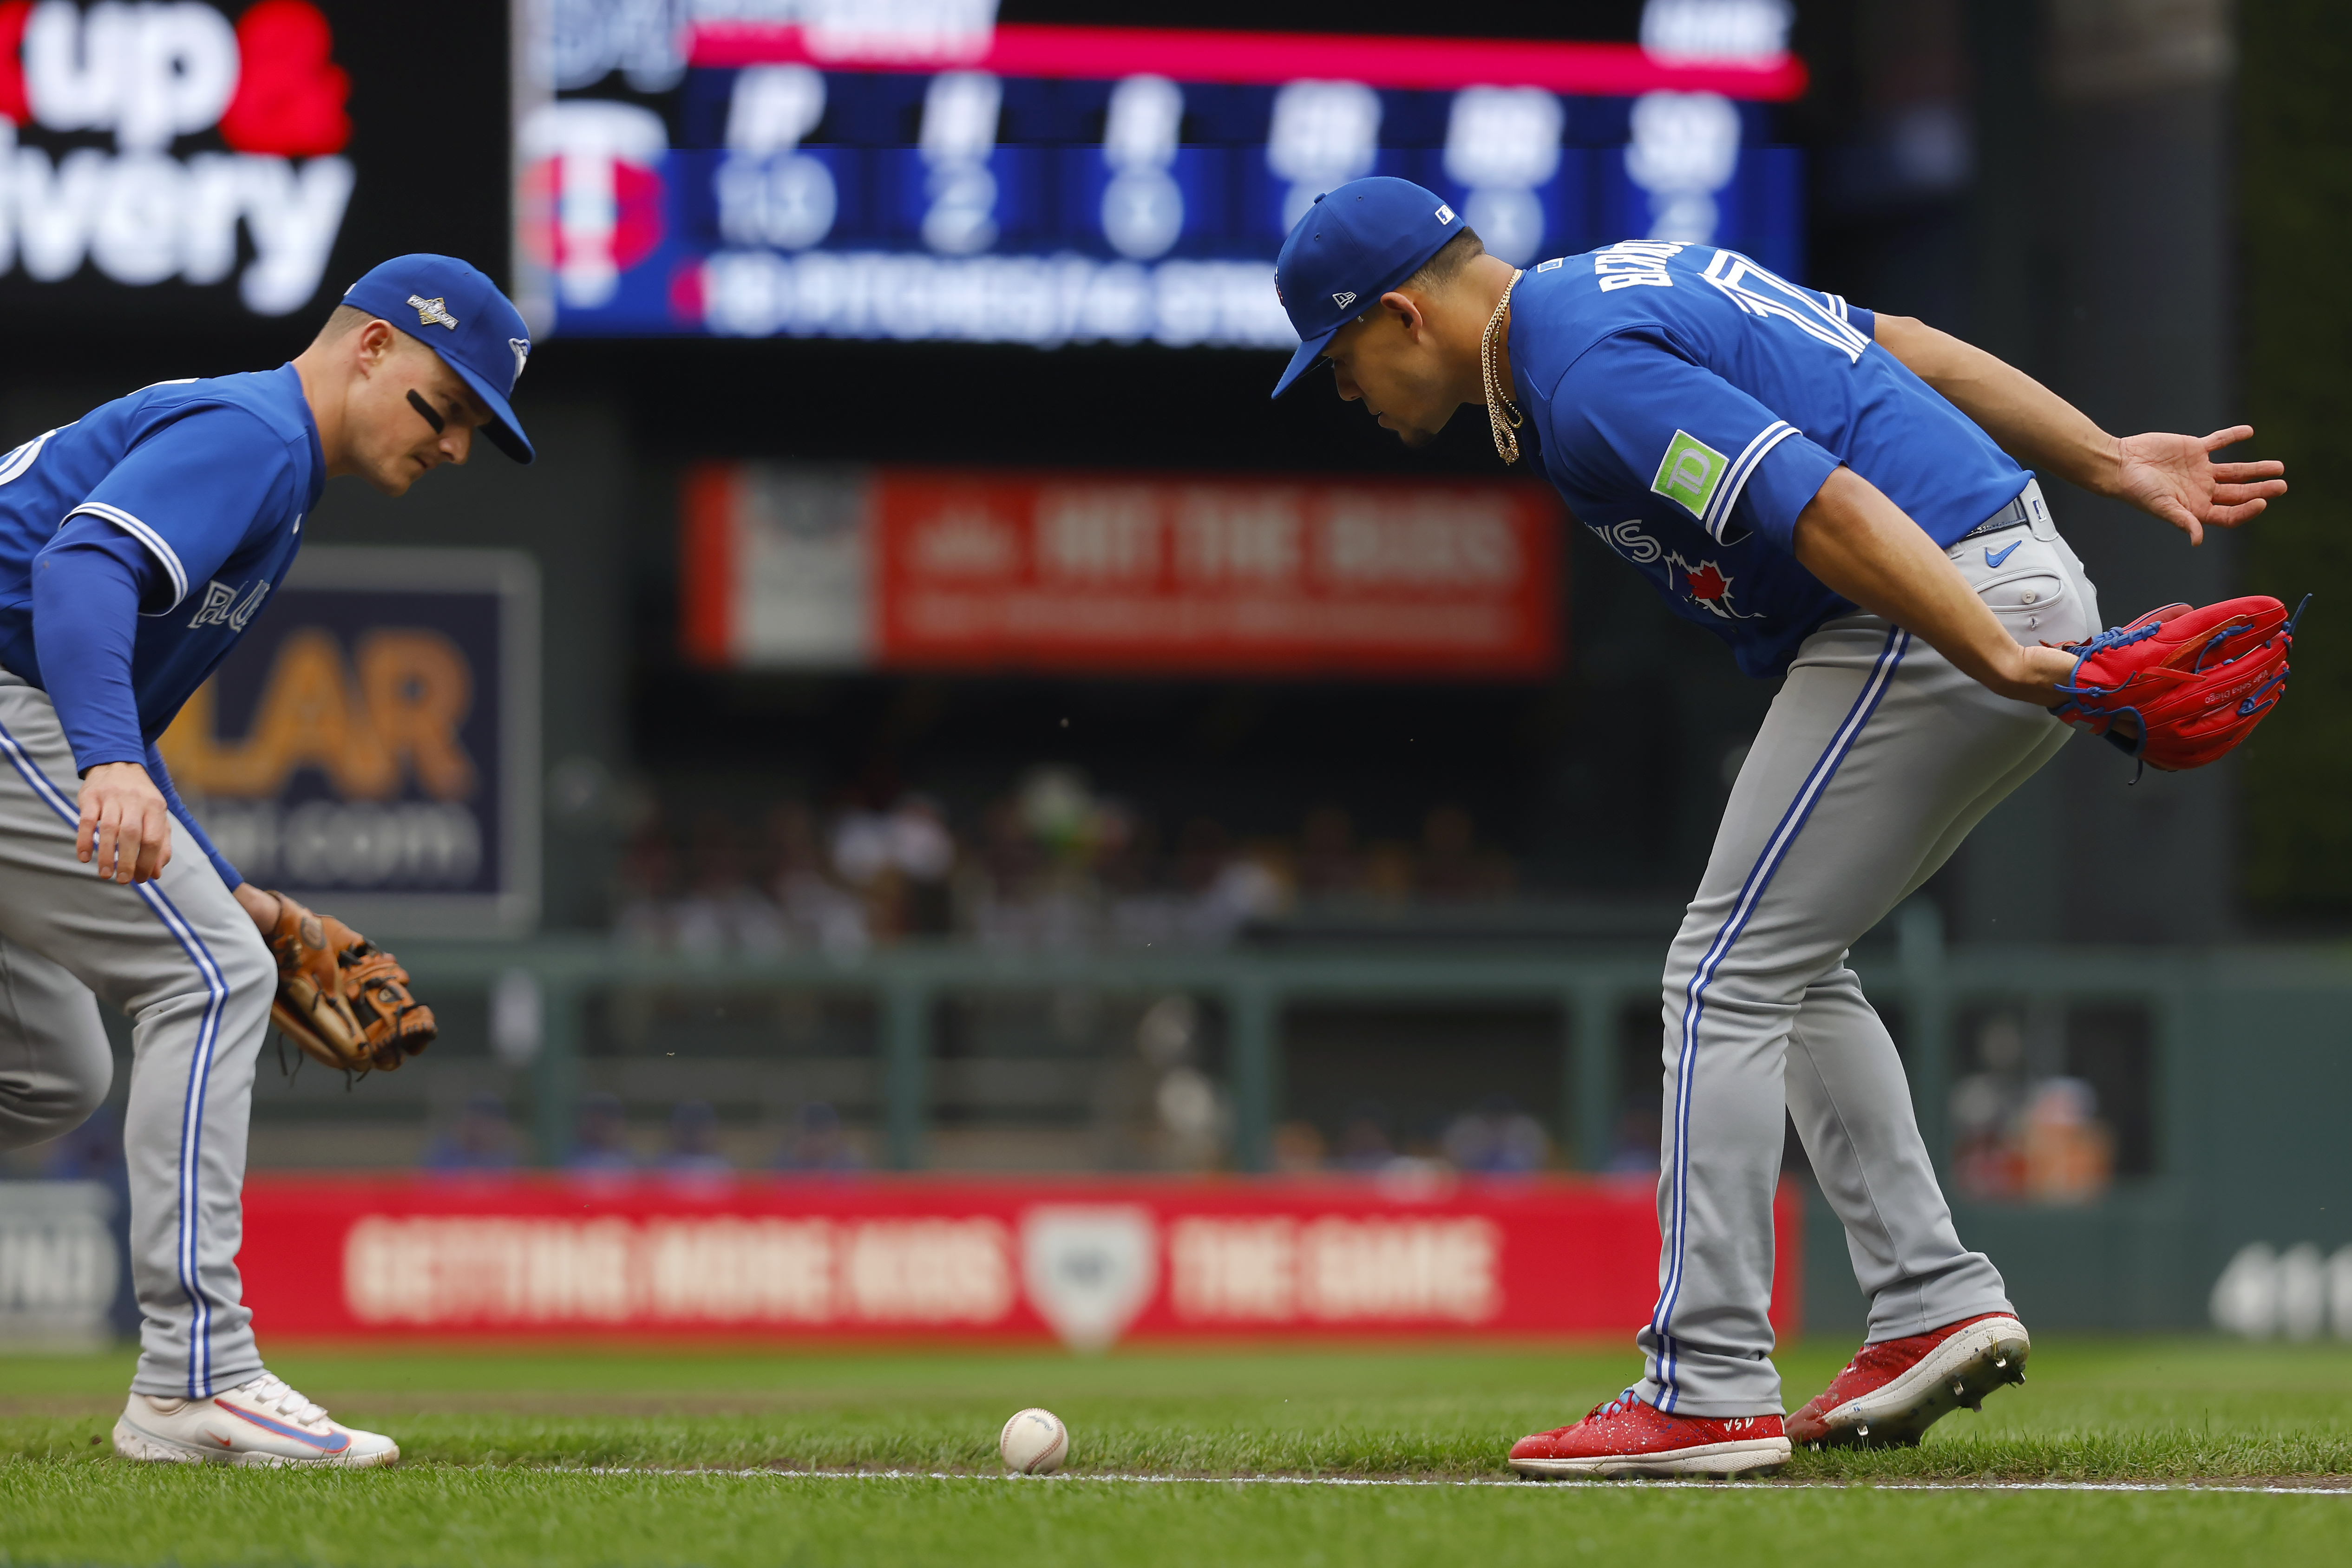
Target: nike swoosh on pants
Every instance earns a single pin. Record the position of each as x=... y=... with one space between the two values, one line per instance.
x=1992 y=559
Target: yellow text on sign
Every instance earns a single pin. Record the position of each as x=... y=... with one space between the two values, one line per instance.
x=395 y=708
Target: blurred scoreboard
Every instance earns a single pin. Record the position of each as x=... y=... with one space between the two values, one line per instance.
x=923 y=173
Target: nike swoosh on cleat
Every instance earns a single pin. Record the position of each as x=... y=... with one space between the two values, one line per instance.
x=334 y=1444
x=1992 y=559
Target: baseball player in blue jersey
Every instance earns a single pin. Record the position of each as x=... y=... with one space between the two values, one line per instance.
x=1839 y=496
x=136 y=545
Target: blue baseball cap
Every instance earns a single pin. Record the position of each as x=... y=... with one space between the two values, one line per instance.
x=458 y=312
x=1354 y=245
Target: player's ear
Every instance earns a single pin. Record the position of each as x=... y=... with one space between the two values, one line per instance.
x=1405 y=309
x=379 y=341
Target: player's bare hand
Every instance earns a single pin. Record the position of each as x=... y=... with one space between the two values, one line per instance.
x=2032 y=676
x=126 y=828
x=2175 y=477
x=262 y=906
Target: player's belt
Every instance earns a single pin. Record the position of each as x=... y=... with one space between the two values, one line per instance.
x=2028 y=510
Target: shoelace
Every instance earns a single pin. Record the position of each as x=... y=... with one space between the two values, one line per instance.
x=291 y=1402
x=1624 y=1402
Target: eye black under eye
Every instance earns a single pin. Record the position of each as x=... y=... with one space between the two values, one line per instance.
x=427 y=409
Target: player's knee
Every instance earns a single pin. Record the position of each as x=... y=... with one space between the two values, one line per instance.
x=85 y=1091
x=247 y=967
x=1673 y=992
x=35 y=1107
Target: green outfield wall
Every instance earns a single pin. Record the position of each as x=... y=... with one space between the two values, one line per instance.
x=2250 y=1066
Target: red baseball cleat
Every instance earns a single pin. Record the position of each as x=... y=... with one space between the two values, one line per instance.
x=1624 y=1436
x=1892 y=1392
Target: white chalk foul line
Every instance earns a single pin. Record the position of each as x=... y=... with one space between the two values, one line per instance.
x=2327 y=1487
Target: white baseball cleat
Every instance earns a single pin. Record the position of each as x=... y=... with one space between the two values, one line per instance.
x=260 y=1422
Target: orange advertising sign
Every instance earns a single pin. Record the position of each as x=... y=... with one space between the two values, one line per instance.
x=993 y=571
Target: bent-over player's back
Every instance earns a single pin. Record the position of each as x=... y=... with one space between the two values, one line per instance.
x=1688 y=404
x=211 y=477
x=45 y=480
x=1809 y=356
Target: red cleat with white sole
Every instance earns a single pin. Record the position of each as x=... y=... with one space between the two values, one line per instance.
x=1624 y=1436
x=1892 y=1392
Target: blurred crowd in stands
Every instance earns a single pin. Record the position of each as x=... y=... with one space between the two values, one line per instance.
x=483 y=1138
x=1052 y=865
x=1497 y=1138
x=2016 y=1136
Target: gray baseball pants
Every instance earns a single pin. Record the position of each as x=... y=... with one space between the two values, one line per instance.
x=182 y=959
x=1877 y=759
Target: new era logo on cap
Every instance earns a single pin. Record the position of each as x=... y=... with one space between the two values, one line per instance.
x=1344 y=300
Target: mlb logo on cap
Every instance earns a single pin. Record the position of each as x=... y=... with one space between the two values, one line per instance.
x=1354 y=243
x=458 y=312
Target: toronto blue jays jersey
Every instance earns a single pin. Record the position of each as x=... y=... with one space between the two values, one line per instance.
x=211 y=477
x=1688 y=404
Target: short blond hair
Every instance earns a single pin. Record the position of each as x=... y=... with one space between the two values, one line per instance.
x=342 y=322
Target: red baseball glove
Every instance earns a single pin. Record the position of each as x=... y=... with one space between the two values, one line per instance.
x=2179 y=687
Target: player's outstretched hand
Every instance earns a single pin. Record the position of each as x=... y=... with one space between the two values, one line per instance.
x=2175 y=477
x=126 y=828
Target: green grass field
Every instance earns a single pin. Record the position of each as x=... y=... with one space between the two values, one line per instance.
x=495 y=1443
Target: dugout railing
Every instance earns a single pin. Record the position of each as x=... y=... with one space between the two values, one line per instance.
x=1925 y=984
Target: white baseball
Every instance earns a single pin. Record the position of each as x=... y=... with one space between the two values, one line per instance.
x=1034 y=1442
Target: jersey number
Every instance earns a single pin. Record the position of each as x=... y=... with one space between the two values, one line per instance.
x=1762 y=292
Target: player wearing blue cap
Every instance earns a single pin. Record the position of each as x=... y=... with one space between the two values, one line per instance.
x=136 y=545
x=1839 y=496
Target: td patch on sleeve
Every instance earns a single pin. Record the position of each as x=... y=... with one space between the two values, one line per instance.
x=1689 y=474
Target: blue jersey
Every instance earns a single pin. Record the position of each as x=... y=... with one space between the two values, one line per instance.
x=211 y=479
x=1688 y=404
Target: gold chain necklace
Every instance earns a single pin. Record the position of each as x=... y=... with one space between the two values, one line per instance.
x=1502 y=414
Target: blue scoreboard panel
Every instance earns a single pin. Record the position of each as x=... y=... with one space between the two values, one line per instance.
x=1054 y=184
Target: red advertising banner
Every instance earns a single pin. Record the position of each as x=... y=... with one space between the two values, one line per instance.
x=1201 y=55
x=1090 y=1261
x=980 y=570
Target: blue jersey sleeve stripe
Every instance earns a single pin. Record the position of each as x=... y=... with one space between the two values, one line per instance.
x=145 y=536
x=1735 y=480
x=14 y=466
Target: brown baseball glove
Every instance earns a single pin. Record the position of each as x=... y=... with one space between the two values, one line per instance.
x=340 y=997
